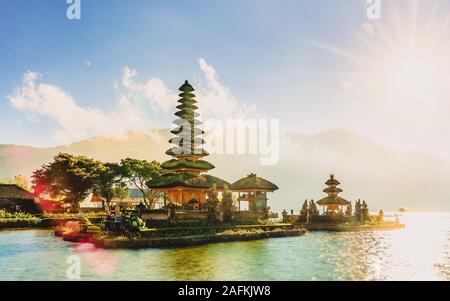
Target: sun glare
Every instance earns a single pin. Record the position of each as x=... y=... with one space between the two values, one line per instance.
x=401 y=58
x=413 y=76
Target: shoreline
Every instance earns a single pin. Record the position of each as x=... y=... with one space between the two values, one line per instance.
x=193 y=240
x=173 y=237
x=354 y=228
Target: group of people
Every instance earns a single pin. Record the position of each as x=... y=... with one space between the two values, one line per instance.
x=126 y=222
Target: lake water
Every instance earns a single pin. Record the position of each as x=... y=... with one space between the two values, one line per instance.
x=419 y=252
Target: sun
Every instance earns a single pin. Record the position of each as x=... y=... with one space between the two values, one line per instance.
x=402 y=58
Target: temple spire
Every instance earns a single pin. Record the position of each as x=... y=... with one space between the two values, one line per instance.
x=187 y=149
x=332 y=190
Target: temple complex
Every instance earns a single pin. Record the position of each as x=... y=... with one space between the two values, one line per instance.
x=332 y=204
x=187 y=181
x=253 y=189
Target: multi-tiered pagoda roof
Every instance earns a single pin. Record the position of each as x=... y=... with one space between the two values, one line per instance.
x=333 y=191
x=187 y=167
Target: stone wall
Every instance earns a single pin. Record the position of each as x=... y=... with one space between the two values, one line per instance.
x=333 y=219
x=191 y=215
x=243 y=216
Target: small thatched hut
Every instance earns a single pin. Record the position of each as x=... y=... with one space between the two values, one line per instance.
x=13 y=199
x=253 y=189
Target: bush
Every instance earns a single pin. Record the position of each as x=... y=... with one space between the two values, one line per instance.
x=17 y=219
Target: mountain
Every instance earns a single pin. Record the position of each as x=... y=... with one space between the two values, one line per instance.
x=385 y=178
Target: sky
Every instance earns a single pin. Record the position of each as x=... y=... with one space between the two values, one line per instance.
x=313 y=64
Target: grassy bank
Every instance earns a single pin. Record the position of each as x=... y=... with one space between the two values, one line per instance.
x=211 y=235
x=18 y=220
x=210 y=230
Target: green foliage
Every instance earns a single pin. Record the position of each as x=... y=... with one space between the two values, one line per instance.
x=23 y=182
x=17 y=219
x=68 y=177
x=72 y=215
x=313 y=210
x=365 y=211
x=380 y=217
x=71 y=178
x=108 y=181
x=138 y=173
x=121 y=191
x=213 y=204
x=19 y=215
x=358 y=210
x=304 y=211
x=349 y=210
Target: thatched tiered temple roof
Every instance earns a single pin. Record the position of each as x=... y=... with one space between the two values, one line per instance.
x=332 y=190
x=184 y=180
x=253 y=183
x=186 y=169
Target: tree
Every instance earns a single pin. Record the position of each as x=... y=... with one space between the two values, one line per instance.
x=380 y=217
x=313 y=210
x=139 y=173
x=304 y=211
x=349 y=210
x=105 y=181
x=68 y=177
x=23 y=182
x=212 y=204
x=358 y=211
x=227 y=204
x=365 y=211
x=121 y=191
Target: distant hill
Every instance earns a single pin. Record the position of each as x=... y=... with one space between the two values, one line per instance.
x=385 y=178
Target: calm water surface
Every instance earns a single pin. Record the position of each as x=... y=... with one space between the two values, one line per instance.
x=419 y=252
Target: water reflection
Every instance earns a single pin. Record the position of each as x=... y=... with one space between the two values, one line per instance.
x=419 y=252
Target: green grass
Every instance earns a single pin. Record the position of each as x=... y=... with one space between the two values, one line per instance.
x=74 y=215
x=17 y=219
x=370 y=223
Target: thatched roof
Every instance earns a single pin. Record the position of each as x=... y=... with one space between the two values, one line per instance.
x=329 y=200
x=179 y=152
x=185 y=163
x=253 y=182
x=12 y=191
x=187 y=180
x=332 y=181
x=332 y=190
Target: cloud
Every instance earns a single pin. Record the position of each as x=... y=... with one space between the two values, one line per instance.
x=216 y=100
x=154 y=92
x=136 y=107
x=74 y=122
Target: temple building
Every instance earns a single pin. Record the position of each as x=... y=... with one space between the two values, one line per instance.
x=253 y=189
x=14 y=198
x=332 y=204
x=186 y=181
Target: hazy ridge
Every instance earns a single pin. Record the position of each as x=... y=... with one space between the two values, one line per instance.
x=387 y=179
